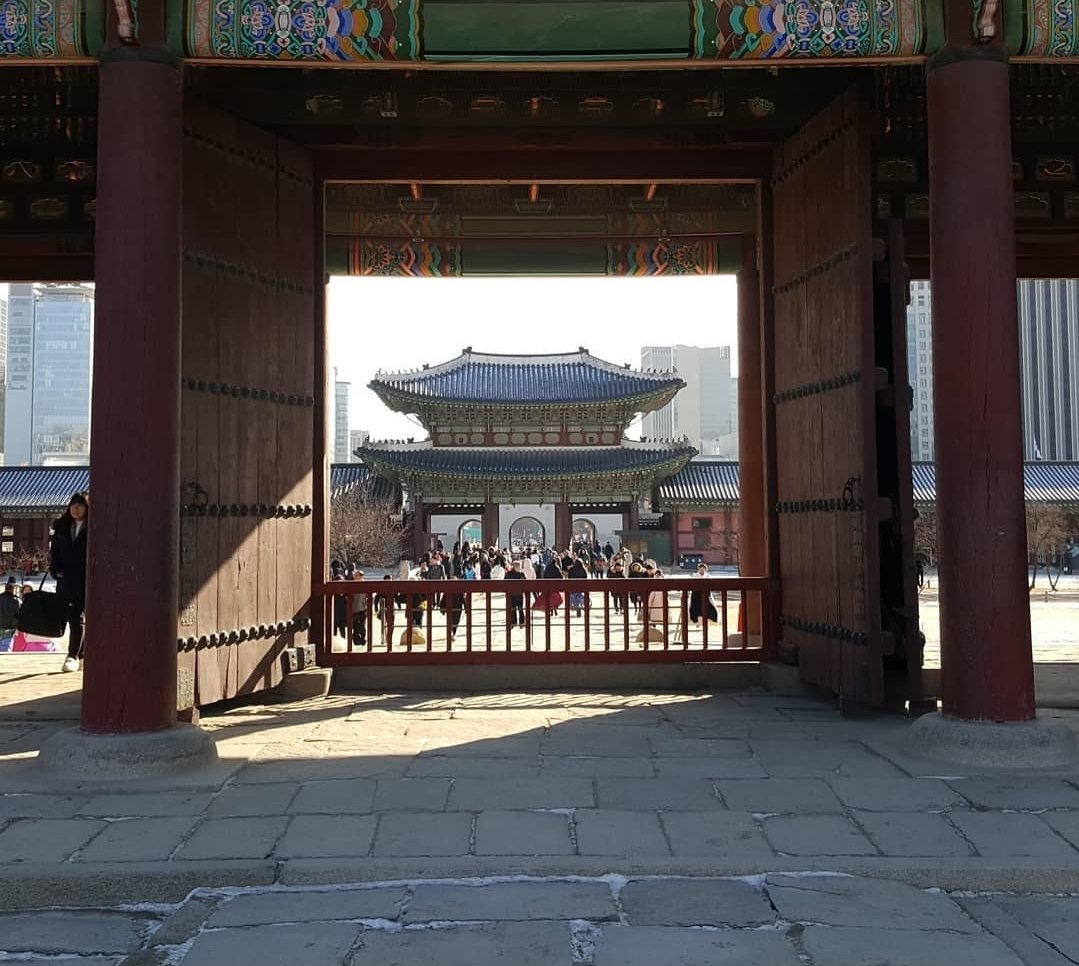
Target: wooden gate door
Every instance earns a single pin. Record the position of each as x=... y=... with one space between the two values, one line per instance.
x=833 y=395
x=248 y=397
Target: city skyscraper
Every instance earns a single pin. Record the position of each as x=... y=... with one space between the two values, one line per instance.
x=702 y=411
x=3 y=370
x=49 y=352
x=920 y=370
x=1049 y=359
x=341 y=451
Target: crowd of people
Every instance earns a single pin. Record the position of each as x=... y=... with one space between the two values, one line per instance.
x=581 y=561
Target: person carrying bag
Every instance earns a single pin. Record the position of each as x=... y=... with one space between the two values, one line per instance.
x=67 y=563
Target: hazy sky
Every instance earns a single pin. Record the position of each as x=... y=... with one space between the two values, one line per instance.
x=400 y=323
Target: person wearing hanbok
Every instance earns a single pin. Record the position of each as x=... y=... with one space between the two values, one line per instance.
x=700 y=601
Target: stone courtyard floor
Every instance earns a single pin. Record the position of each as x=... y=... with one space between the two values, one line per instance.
x=542 y=828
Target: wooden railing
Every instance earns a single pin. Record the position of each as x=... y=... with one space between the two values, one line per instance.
x=547 y=621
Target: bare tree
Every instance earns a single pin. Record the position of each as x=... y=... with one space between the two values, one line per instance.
x=363 y=532
x=925 y=536
x=1047 y=533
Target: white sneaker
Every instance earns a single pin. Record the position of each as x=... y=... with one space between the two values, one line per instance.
x=71 y=664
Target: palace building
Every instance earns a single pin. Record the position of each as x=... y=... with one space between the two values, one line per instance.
x=526 y=449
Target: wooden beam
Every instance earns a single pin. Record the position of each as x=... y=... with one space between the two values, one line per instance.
x=532 y=165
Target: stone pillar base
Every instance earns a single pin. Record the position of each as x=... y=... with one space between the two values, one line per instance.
x=1041 y=743
x=76 y=757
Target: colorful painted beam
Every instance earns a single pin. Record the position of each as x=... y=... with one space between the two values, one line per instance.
x=625 y=258
x=60 y=30
x=1042 y=29
x=362 y=32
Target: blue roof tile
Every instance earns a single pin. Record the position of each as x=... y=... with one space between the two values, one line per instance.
x=349 y=478
x=40 y=489
x=493 y=461
x=487 y=378
x=703 y=482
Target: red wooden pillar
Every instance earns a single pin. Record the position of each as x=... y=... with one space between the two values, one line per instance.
x=563 y=526
x=752 y=548
x=419 y=529
x=131 y=603
x=987 y=669
x=490 y=525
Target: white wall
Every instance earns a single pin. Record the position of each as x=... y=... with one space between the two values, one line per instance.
x=507 y=513
x=448 y=524
x=605 y=524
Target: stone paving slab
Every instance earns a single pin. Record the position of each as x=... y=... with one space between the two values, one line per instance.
x=156 y=805
x=71 y=932
x=137 y=840
x=250 y=837
x=707 y=902
x=1004 y=834
x=327 y=835
x=712 y=768
x=529 y=944
x=420 y=833
x=859 y=947
x=39 y=806
x=816 y=835
x=619 y=833
x=913 y=834
x=870 y=903
x=267 y=908
x=585 y=921
x=717 y=836
x=313 y=944
x=896 y=794
x=513 y=901
x=779 y=795
x=482 y=793
x=508 y=833
x=46 y=840
x=1018 y=792
x=652 y=945
x=461 y=784
x=683 y=794
x=1053 y=919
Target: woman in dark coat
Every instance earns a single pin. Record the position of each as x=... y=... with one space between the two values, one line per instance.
x=67 y=563
x=577 y=571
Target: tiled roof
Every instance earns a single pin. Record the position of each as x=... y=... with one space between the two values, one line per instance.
x=349 y=478
x=1045 y=482
x=40 y=489
x=700 y=483
x=706 y=482
x=479 y=377
x=493 y=461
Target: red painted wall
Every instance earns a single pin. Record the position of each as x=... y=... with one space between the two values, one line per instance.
x=718 y=541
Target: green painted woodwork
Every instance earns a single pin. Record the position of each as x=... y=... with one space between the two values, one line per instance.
x=1042 y=29
x=502 y=259
x=362 y=31
x=555 y=30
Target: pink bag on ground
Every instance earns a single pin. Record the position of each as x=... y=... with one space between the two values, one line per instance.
x=31 y=642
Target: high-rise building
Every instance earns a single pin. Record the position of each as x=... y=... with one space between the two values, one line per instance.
x=920 y=370
x=3 y=370
x=49 y=356
x=341 y=449
x=1049 y=358
x=702 y=411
